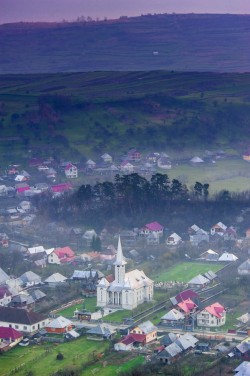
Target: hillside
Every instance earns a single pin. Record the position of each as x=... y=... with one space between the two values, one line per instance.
x=88 y=113
x=170 y=42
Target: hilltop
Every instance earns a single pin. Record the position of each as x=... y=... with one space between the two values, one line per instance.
x=89 y=113
x=190 y=42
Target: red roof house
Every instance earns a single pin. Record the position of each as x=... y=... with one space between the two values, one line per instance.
x=212 y=316
x=187 y=306
x=152 y=228
x=61 y=256
x=10 y=334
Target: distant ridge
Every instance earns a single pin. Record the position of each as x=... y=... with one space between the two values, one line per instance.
x=180 y=42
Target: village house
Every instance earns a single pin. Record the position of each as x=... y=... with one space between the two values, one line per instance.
x=244 y=268
x=127 y=167
x=243 y=369
x=133 y=155
x=102 y=331
x=55 y=280
x=61 y=256
x=90 y=164
x=146 y=328
x=59 y=325
x=152 y=228
x=130 y=341
x=242 y=350
x=5 y=296
x=164 y=163
x=212 y=316
x=29 y=279
x=209 y=255
x=197 y=235
x=173 y=319
x=228 y=257
x=22 y=320
x=219 y=229
x=22 y=300
x=71 y=171
x=128 y=290
x=173 y=239
x=9 y=338
x=198 y=281
x=107 y=158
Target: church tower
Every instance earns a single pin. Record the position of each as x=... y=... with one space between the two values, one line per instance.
x=119 y=264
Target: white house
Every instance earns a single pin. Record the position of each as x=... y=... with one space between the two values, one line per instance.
x=212 y=316
x=128 y=290
x=152 y=228
x=5 y=296
x=71 y=171
x=107 y=158
x=29 y=279
x=173 y=239
x=22 y=320
x=228 y=257
x=127 y=167
x=219 y=228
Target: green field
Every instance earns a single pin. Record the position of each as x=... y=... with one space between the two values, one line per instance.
x=41 y=360
x=89 y=304
x=185 y=271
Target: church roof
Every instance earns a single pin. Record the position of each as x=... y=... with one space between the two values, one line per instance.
x=119 y=257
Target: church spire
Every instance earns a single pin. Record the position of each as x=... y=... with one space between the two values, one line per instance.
x=119 y=256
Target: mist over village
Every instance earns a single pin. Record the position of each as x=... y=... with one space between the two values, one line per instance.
x=124 y=189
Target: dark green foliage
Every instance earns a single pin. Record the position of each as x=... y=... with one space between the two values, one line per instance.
x=59 y=356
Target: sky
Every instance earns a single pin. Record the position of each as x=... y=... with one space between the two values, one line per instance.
x=57 y=10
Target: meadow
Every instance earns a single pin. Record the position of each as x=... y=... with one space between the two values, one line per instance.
x=184 y=271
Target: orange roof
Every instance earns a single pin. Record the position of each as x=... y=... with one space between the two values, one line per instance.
x=215 y=309
x=65 y=252
x=187 y=305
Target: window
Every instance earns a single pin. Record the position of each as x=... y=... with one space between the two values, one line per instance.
x=16 y=326
x=33 y=327
x=24 y=327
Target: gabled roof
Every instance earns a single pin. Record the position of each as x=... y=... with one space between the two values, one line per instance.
x=173 y=349
x=37 y=249
x=147 y=327
x=196 y=160
x=132 y=338
x=221 y=225
x=9 y=333
x=215 y=309
x=30 y=277
x=228 y=257
x=245 y=265
x=23 y=298
x=103 y=282
x=187 y=305
x=198 y=280
x=37 y=294
x=55 y=278
x=154 y=226
x=210 y=275
x=186 y=341
x=243 y=369
x=20 y=316
x=87 y=274
x=173 y=315
x=105 y=330
x=186 y=294
x=59 y=323
x=174 y=236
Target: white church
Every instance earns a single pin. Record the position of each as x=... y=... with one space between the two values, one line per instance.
x=128 y=290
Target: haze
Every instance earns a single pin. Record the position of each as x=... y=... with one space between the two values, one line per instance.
x=57 y=10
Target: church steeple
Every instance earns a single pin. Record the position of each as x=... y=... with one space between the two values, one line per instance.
x=119 y=256
x=119 y=264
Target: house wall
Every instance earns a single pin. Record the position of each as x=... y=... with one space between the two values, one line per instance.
x=5 y=301
x=24 y=327
x=53 y=259
x=204 y=318
x=58 y=330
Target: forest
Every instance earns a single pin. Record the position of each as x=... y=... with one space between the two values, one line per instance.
x=132 y=200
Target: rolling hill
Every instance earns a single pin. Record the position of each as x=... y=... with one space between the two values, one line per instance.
x=188 y=42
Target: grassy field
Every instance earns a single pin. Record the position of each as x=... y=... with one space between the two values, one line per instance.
x=41 y=360
x=185 y=271
x=89 y=304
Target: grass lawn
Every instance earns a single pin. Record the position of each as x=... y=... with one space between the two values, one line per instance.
x=89 y=303
x=42 y=360
x=185 y=271
x=113 y=369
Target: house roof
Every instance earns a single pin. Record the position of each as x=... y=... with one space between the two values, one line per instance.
x=7 y=333
x=102 y=329
x=174 y=236
x=244 y=318
x=3 y=277
x=173 y=349
x=133 y=337
x=87 y=274
x=220 y=225
x=187 y=305
x=37 y=294
x=198 y=280
x=147 y=327
x=64 y=253
x=215 y=309
x=228 y=257
x=243 y=369
x=55 y=278
x=61 y=187
x=20 y=316
x=30 y=277
x=23 y=298
x=154 y=226
x=186 y=294
x=173 y=315
x=196 y=160
x=210 y=275
x=186 y=341
x=59 y=323
x=37 y=249
x=245 y=265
